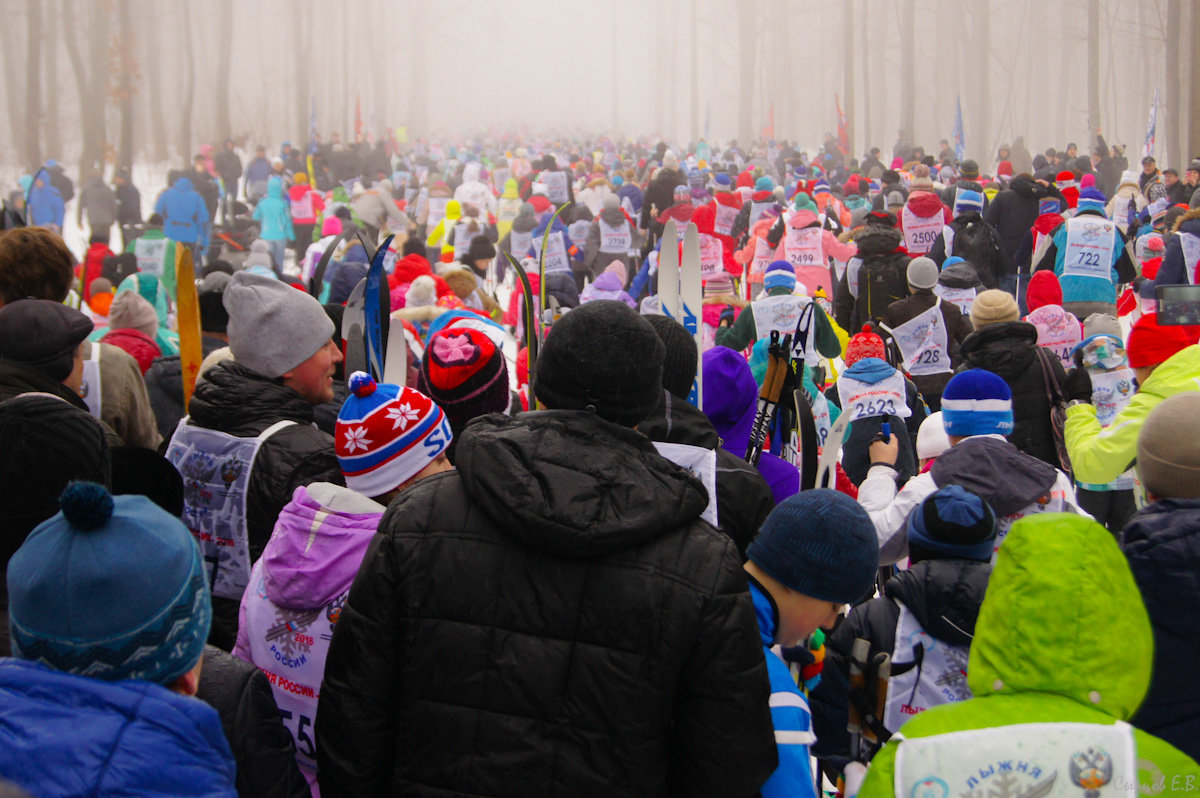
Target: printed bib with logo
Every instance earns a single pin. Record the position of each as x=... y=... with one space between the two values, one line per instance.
x=508 y=208
x=923 y=342
x=725 y=217
x=90 y=388
x=866 y=400
x=556 y=186
x=1089 y=248
x=437 y=211
x=700 y=463
x=757 y=209
x=963 y=298
x=1059 y=338
x=615 y=240
x=1190 y=244
x=920 y=231
x=303 y=207
x=462 y=239
x=1049 y=760
x=150 y=253
x=1111 y=392
x=763 y=256
x=802 y=246
x=712 y=256
x=781 y=314
x=933 y=672
x=556 y=252
x=216 y=475
x=519 y=243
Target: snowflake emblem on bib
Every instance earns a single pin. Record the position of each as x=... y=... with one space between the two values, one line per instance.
x=356 y=438
x=402 y=416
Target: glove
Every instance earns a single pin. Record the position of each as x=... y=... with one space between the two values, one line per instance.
x=726 y=316
x=1078 y=385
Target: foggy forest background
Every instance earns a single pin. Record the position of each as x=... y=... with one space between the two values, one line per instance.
x=114 y=81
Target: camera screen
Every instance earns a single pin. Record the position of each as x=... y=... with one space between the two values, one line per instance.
x=1178 y=304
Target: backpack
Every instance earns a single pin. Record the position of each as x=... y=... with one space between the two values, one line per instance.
x=880 y=283
x=978 y=244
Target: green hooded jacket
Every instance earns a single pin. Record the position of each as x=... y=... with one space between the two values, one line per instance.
x=1098 y=456
x=1062 y=637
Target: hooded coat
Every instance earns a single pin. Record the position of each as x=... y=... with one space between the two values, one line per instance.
x=596 y=261
x=274 y=214
x=1174 y=269
x=512 y=694
x=880 y=249
x=99 y=202
x=1012 y=213
x=185 y=216
x=1061 y=577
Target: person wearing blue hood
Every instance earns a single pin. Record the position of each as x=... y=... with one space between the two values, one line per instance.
x=258 y=171
x=559 y=249
x=1087 y=253
x=45 y=205
x=274 y=215
x=185 y=216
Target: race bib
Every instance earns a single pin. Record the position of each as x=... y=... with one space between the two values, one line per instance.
x=1089 y=247
x=938 y=675
x=462 y=239
x=437 y=211
x=700 y=463
x=963 y=298
x=1111 y=392
x=303 y=207
x=757 y=209
x=763 y=256
x=866 y=400
x=556 y=253
x=781 y=314
x=802 y=246
x=508 y=208
x=1191 y=255
x=150 y=253
x=923 y=343
x=711 y=256
x=822 y=417
x=556 y=186
x=1054 y=760
x=519 y=243
x=1060 y=339
x=920 y=231
x=615 y=240
x=725 y=218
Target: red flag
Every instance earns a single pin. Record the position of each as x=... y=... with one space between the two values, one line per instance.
x=843 y=134
x=768 y=131
x=358 y=126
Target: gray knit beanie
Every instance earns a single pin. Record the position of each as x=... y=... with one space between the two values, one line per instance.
x=273 y=327
x=1168 y=459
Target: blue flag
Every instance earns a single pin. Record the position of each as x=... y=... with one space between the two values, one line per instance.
x=1151 y=128
x=312 y=124
x=960 y=139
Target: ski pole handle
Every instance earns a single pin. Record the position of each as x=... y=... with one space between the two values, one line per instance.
x=886 y=432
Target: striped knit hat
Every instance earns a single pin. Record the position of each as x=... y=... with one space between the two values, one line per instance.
x=977 y=402
x=386 y=434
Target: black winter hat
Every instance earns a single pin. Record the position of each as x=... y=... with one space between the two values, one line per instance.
x=210 y=294
x=481 y=249
x=604 y=357
x=679 y=364
x=67 y=444
x=43 y=335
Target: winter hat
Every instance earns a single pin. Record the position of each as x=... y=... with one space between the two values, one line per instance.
x=1168 y=459
x=481 y=249
x=977 y=402
x=679 y=363
x=300 y=178
x=723 y=181
x=273 y=327
x=385 y=435
x=1048 y=205
x=803 y=202
x=720 y=283
x=604 y=357
x=1102 y=324
x=968 y=202
x=465 y=373
x=863 y=345
x=931 y=437
x=952 y=523
x=922 y=272
x=1044 y=289
x=618 y=270
x=331 y=226
x=820 y=543
x=993 y=307
x=1150 y=343
x=682 y=193
x=969 y=170
x=422 y=293
x=67 y=444
x=780 y=274
x=43 y=335
x=764 y=183
x=1090 y=199
x=895 y=200
x=131 y=312
x=210 y=293
x=111 y=587
x=821 y=186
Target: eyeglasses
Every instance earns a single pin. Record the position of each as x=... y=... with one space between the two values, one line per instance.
x=1104 y=352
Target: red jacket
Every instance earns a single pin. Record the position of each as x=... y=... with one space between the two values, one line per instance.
x=136 y=343
x=296 y=194
x=93 y=266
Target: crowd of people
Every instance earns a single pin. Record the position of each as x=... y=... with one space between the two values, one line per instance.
x=529 y=565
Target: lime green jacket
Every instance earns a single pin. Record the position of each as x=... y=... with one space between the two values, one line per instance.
x=1062 y=636
x=1099 y=456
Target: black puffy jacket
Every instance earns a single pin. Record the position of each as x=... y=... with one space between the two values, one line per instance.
x=880 y=250
x=262 y=747
x=237 y=401
x=164 y=386
x=553 y=619
x=943 y=595
x=744 y=499
x=1013 y=213
x=1162 y=544
x=1009 y=350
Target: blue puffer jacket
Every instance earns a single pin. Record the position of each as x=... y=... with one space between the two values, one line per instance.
x=1162 y=545
x=46 y=206
x=1174 y=269
x=68 y=735
x=185 y=216
x=275 y=214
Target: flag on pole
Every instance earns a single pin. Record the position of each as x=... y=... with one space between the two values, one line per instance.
x=960 y=138
x=313 y=138
x=768 y=131
x=358 y=125
x=843 y=133
x=1152 y=128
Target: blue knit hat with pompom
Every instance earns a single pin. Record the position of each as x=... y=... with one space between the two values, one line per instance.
x=111 y=587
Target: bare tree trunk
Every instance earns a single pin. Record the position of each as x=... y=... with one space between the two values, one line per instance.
x=1193 y=96
x=695 y=70
x=33 y=87
x=300 y=52
x=224 y=56
x=81 y=81
x=418 y=120
x=616 y=69
x=908 y=13
x=868 y=131
x=1093 y=77
x=50 y=89
x=747 y=39
x=189 y=91
x=12 y=93
x=158 y=125
x=983 y=97
x=848 y=75
x=1172 y=127
x=127 y=65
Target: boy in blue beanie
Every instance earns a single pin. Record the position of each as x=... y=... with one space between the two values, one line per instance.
x=815 y=554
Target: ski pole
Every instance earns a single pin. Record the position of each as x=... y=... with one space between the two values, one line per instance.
x=885 y=432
